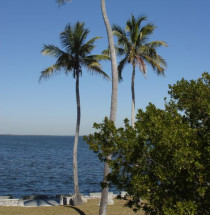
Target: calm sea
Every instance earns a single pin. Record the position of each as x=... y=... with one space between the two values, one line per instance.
x=31 y=165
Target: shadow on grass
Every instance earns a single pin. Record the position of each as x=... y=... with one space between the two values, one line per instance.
x=77 y=210
x=41 y=202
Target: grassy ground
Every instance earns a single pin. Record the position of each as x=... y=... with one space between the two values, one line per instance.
x=89 y=208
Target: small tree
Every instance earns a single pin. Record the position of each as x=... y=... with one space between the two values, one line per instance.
x=165 y=158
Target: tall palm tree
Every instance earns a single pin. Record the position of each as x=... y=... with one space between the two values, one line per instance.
x=75 y=56
x=133 y=46
x=113 y=109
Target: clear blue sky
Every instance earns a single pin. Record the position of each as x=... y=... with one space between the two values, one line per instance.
x=27 y=107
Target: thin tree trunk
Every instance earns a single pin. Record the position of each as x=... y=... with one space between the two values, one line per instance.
x=77 y=200
x=133 y=97
x=113 y=110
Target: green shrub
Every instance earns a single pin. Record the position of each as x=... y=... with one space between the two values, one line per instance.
x=165 y=158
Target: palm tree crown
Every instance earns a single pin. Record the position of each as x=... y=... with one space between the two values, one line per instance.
x=76 y=53
x=132 y=44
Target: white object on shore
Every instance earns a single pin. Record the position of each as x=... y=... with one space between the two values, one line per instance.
x=84 y=199
x=66 y=200
x=110 y=198
x=11 y=202
x=123 y=194
x=98 y=195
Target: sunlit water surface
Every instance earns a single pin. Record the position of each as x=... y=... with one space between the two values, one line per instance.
x=31 y=165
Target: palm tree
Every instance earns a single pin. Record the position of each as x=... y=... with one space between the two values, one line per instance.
x=72 y=60
x=133 y=46
x=113 y=109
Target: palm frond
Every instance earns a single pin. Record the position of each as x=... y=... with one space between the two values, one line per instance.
x=67 y=38
x=146 y=31
x=145 y=50
x=158 y=64
x=80 y=33
x=162 y=62
x=118 y=29
x=52 y=51
x=100 y=57
x=92 y=63
x=121 y=65
x=140 y=19
x=121 y=36
x=106 y=52
x=82 y=36
x=133 y=26
x=151 y=56
x=88 y=46
x=119 y=51
x=156 y=44
x=67 y=62
x=93 y=68
x=131 y=23
x=48 y=72
x=92 y=41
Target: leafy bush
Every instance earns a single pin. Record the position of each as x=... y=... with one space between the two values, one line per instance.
x=165 y=158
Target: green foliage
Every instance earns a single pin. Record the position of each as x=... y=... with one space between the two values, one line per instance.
x=76 y=53
x=165 y=158
x=133 y=45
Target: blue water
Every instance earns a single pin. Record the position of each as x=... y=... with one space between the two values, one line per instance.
x=32 y=165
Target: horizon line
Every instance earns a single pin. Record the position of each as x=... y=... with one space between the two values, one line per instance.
x=61 y=135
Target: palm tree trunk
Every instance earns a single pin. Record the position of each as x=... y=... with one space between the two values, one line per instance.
x=77 y=200
x=133 y=97
x=113 y=110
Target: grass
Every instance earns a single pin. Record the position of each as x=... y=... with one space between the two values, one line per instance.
x=89 y=208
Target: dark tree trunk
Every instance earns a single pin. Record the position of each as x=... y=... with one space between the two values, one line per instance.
x=133 y=97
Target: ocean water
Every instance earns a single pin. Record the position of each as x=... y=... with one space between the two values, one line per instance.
x=32 y=165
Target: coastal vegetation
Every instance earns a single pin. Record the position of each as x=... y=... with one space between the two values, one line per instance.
x=75 y=56
x=164 y=159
